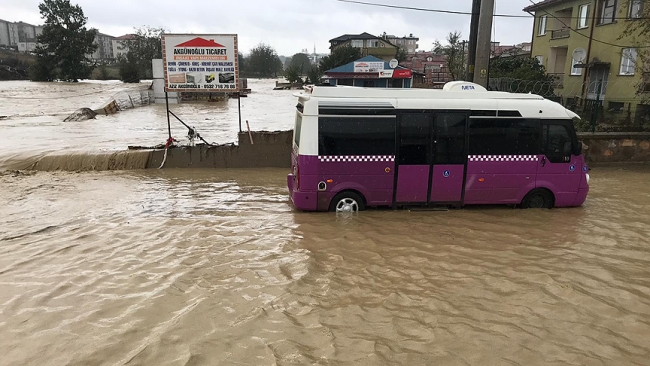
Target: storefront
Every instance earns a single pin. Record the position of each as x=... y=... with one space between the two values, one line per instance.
x=370 y=72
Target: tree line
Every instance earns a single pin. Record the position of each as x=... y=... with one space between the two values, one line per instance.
x=263 y=61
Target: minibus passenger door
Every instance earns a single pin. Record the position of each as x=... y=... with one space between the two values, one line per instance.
x=559 y=169
x=413 y=157
x=449 y=157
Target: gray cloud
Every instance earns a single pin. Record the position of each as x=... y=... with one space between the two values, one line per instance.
x=287 y=25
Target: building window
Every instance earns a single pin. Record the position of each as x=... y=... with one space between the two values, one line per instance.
x=372 y=43
x=358 y=43
x=583 y=16
x=636 y=9
x=628 y=61
x=608 y=12
x=575 y=70
x=540 y=59
x=542 y=25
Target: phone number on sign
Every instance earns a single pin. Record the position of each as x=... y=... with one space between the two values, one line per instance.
x=206 y=86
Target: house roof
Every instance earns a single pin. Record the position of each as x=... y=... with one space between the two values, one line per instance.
x=200 y=42
x=126 y=37
x=347 y=37
x=543 y=4
x=349 y=67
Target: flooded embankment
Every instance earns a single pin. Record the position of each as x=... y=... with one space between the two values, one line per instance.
x=33 y=128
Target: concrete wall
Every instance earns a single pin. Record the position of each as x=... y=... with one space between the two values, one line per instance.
x=269 y=150
x=616 y=146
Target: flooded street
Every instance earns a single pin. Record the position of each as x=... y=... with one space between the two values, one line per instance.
x=215 y=267
x=187 y=267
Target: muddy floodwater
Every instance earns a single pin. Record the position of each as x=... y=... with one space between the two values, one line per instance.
x=215 y=267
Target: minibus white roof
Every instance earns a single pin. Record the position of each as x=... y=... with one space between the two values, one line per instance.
x=451 y=90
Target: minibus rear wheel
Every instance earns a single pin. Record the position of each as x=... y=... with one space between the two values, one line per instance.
x=347 y=201
x=538 y=198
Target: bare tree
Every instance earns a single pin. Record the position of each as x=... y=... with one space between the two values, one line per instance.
x=455 y=53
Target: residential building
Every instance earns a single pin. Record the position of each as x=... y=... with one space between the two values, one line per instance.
x=408 y=44
x=433 y=66
x=522 y=50
x=370 y=45
x=370 y=72
x=19 y=35
x=104 y=51
x=609 y=71
x=121 y=44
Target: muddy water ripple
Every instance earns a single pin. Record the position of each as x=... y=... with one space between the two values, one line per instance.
x=214 y=267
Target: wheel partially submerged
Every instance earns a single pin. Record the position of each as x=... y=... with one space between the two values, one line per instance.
x=347 y=202
x=538 y=198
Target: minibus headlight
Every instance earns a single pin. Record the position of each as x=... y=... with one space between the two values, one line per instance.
x=587 y=175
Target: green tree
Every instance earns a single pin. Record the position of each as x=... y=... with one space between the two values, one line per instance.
x=145 y=46
x=455 y=53
x=521 y=75
x=300 y=61
x=65 y=44
x=263 y=61
x=292 y=74
x=401 y=54
x=339 y=56
x=314 y=75
x=242 y=63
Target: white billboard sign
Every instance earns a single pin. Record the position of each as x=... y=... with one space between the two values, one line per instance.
x=371 y=66
x=386 y=73
x=200 y=62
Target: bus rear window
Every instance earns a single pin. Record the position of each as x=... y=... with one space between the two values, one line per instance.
x=296 y=129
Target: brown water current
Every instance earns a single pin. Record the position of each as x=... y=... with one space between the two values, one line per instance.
x=32 y=126
x=188 y=267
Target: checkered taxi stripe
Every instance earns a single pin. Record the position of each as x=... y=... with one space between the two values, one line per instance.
x=355 y=158
x=503 y=158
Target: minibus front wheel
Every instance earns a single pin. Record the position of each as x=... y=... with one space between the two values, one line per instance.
x=538 y=198
x=347 y=201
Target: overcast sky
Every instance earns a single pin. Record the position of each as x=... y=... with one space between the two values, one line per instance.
x=287 y=25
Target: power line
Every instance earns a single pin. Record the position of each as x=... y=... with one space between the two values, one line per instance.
x=428 y=9
x=584 y=35
x=448 y=11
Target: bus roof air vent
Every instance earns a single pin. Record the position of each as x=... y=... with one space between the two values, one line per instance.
x=463 y=86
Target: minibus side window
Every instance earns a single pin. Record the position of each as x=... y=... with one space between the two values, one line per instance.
x=557 y=143
x=493 y=136
x=297 y=128
x=340 y=135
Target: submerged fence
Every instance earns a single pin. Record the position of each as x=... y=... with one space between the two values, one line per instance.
x=602 y=105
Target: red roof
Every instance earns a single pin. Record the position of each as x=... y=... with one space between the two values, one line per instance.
x=200 y=42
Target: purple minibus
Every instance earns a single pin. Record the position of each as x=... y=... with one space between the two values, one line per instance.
x=368 y=147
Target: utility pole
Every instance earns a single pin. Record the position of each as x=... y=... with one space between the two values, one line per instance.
x=473 y=33
x=483 y=43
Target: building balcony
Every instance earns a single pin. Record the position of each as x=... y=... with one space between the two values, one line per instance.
x=561 y=33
